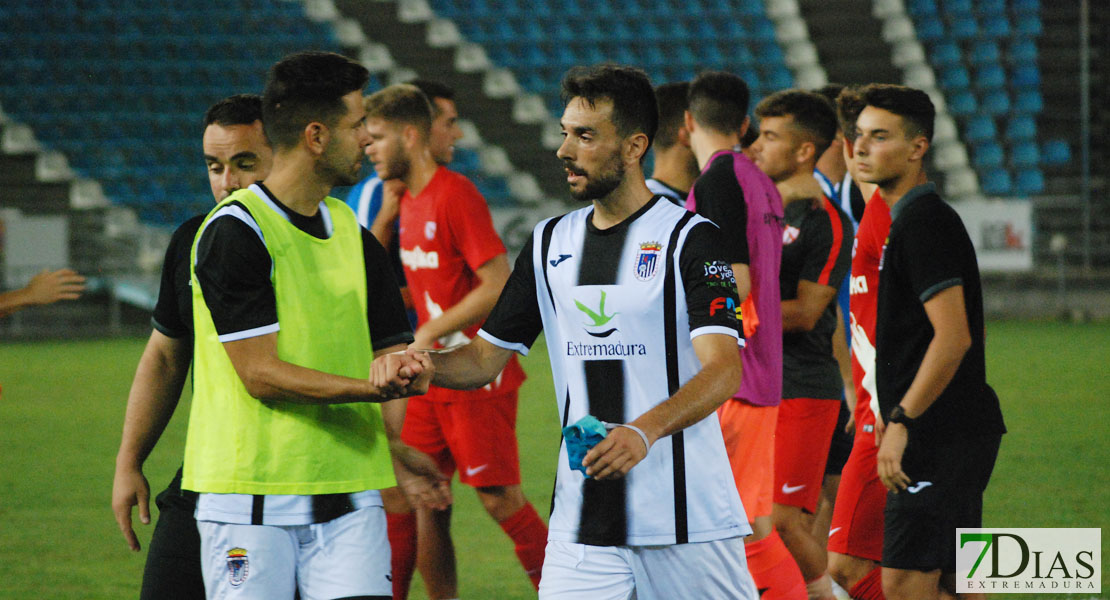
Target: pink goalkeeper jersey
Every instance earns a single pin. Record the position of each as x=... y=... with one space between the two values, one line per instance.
x=762 y=357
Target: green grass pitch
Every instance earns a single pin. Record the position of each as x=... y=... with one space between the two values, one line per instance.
x=61 y=413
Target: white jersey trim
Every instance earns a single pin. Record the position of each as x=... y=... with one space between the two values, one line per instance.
x=500 y=343
x=249 y=333
x=718 y=329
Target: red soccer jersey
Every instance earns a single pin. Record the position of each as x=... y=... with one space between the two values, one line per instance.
x=863 y=303
x=446 y=233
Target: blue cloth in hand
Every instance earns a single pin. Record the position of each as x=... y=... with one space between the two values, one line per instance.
x=580 y=437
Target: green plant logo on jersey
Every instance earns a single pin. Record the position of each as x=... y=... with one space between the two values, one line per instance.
x=597 y=317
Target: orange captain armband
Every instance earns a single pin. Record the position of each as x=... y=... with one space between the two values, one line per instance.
x=748 y=317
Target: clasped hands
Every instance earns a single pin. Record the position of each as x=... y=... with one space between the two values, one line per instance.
x=402 y=374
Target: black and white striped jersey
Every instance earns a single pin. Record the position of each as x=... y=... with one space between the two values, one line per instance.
x=619 y=308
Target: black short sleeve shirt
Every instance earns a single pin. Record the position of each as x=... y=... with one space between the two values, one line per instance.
x=173 y=313
x=720 y=199
x=817 y=247
x=928 y=251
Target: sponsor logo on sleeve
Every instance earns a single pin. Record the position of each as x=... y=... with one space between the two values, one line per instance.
x=718 y=273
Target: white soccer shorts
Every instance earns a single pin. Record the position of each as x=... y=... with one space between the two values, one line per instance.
x=716 y=570
x=347 y=556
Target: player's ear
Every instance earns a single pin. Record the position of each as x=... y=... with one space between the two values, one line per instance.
x=688 y=121
x=635 y=146
x=744 y=126
x=316 y=136
x=920 y=147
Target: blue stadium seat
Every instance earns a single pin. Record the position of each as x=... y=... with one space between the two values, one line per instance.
x=1022 y=51
x=991 y=8
x=996 y=103
x=1021 y=127
x=957 y=8
x=929 y=29
x=962 y=103
x=990 y=77
x=1025 y=7
x=996 y=27
x=963 y=28
x=984 y=52
x=1026 y=76
x=995 y=182
x=980 y=128
x=1029 y=182
x=1029 y=25
x=921 y=8
x=1056 y=152
x=1025 y=154
x=945 y=53
x=955 y=77
x=1028 y=102
x=987 y=155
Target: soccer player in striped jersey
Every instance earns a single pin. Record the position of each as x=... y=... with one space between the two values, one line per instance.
x=638 y=308
x=675 y=167
x=795 y=128
x=237 y=154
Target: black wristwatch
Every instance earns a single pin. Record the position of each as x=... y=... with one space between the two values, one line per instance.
x=898 y=415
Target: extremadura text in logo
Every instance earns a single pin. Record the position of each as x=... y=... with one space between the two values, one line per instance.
x=616 y=349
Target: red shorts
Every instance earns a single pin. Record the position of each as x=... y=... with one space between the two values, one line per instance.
x=477 y=437
x=749 y=432
x=857 y=522
x=802 y=438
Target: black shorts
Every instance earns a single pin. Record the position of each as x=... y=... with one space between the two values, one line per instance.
x=946 y=492
x=841 y=445
x=172 y=569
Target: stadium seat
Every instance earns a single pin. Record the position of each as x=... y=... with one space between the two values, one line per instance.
x=945 y=54
x=1029 y=25
x=990 y=77
x=980 y=128
x=996 y=103
x=1028 y=102
x=1024 y=155
x=962 y=103
x=1025 y=7
x=955 y=77
x=988 y=155
x=957 y=9
x=1021 y=127
x=921 y=8
x=1026 y=76
x=1029 y=182
x=990 y=8
x=996 y=27
x=984 y=52
x=1056 y=152
x=996 y=182
x=963 y=28
x=1022 y=51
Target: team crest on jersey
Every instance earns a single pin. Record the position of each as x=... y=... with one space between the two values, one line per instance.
x=238 y=566
x=647 y=261
x=430 y=230
x=789 y=234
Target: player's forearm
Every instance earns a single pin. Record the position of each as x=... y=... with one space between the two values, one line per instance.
x=841 y=352
x=471 y=310
x=14 y=301
x=704 y=393
x=155 y=391
x=469 y=367
x=393 y=418
x=797 y=317
x=938 y=367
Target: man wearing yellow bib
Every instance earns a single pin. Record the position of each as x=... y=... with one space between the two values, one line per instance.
x=288 y=440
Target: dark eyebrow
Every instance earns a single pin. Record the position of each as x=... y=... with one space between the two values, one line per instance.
x=244 y=154
x=874 y=131
x=583 y=129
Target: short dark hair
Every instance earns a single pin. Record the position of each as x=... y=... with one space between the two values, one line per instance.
x=671 y=98
x=913 y=105
x=433 y=90
x=240 y=109
x=401 y=103
x=307 y=87
x=830 y=91
x=628 y=88
x=719 y=101
x=849 y=104
x=812 y=114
